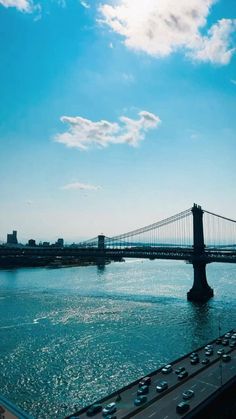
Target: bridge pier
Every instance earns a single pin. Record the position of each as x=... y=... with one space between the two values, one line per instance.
x=201 y=290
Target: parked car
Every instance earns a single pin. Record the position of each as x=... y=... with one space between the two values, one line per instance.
x=109 y=409
x=140 y=400
x=143 y=390
x=179 y=370
x=167 y=369
x=221 y=351
x=205 y=361
x=218 y=341
x=146 y=381
x=94 y=409
x=208 y=347
x=161 y=386
x=111 y=417
x=188 y=394
x=182 y=375
x=225 y=342
x=226 y=358
x=182 y=407
x=232 y=344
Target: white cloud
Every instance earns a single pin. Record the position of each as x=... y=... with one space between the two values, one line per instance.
x=22 y=5
x=162 y=27
x=84 y=4
x=84 y=133
x=80 y=186
x=128 y=77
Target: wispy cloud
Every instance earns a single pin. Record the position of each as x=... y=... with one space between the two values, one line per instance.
x=233 y=81
x=162 y=27
x=80 y=186
x=84 y=133
x=85 y=4
x=22 y=5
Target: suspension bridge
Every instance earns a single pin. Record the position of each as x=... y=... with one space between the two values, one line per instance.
x=195 y=235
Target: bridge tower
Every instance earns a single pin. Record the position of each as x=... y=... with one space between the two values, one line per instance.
x=200 y=291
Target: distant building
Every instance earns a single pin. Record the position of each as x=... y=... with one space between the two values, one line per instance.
x=12 y=238
x=60 y=243
x=46 y=244
x=31 y=242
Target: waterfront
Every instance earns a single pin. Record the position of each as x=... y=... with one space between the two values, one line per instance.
x=70 y=336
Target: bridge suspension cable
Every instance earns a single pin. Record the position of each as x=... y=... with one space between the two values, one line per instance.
x=219 y=231
x=173 y=231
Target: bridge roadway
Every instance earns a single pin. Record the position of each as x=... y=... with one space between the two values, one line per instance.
x=146 y=252
x=204 y=380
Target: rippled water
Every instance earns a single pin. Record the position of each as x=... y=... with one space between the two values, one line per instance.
x=70 y=336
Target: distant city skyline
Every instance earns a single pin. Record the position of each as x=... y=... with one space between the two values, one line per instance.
x=114 y=115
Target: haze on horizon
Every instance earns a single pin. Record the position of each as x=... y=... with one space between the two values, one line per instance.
x=114 y=114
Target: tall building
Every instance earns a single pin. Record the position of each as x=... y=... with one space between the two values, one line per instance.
x=12 y=238
x=60 y=242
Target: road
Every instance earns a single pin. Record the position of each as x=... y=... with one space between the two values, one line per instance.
x=204 y=380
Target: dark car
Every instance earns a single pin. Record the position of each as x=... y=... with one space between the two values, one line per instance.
x=188 y=394
x=182 y=407
x=218 y=341
x=143 y=390
x=140 y=400
x=182 y=375
x=195 y=360
x=232 y=344
x=146 y=381
x=194 y=355
x=225 y=342
x=110 y=417
x=205 y=361
x=179 y=370
x=226 y=358
x=94 y=409
x=161 y=386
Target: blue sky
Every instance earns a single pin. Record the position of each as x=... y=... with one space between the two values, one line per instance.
x=114 y=116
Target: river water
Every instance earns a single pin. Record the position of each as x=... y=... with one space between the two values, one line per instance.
x=70 y=336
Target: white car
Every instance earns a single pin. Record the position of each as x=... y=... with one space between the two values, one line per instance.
x=109 y=409
x=167 y=369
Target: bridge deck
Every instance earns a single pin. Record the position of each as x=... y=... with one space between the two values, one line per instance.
x=203 y=380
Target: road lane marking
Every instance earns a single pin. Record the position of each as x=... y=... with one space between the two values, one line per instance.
x=203 y=389
x=195 y=385
x=208 y=384
x=166 y=417
x=175 y=398
x=152 y=414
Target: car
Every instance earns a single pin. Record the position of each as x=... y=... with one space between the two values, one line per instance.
x=225 y=342
x=143 y=390
x=109 y=409
x=233 y=336
x=194 y=355
x=140 y=400
x=110 y=417
x=226 y=358
x=232 y=344
x=221 y=351
x=167 y=369
x=188 y=394
x=161 y=386
x=94 y=409
x=146 y=381
x=208 y=347
x=182 y=375
x=205 y=361
x=218 y=341
x=227 y=335
x=179 y=370
x=209 y=352
x=194 y=361
x=182 y=407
